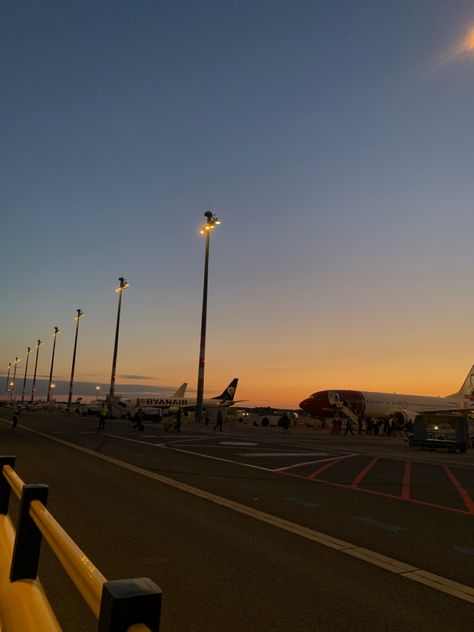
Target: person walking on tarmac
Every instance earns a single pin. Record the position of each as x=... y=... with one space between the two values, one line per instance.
x=284 y=422
x=177 y=424
x=349 y=427
x=103 y=415
x=15 y=415
x=219 y=420
x=138 y=420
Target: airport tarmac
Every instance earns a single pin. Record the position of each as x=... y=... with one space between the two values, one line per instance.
x=362 y=496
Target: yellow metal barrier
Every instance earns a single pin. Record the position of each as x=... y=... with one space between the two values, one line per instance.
x=14 y=480
x=84 y=575
x=24 y=606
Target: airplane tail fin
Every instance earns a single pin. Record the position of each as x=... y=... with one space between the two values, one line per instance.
x=467 y=389
x=228 y=394
x=181 y=391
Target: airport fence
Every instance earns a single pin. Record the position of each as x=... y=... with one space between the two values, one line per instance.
x=129 y=605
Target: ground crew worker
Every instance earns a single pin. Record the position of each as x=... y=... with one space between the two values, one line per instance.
x=102 y=415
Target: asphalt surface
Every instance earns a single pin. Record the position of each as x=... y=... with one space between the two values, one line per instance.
x=234 y=526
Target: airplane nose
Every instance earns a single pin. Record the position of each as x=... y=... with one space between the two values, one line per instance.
x=304 y=404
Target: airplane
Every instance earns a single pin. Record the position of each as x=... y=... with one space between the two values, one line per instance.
x=402 y=408
x=178 y=400
x=92 y=408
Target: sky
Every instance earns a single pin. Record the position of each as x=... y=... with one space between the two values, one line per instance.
x=332 y=138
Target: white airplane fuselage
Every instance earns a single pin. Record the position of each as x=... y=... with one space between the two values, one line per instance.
x=327 y=403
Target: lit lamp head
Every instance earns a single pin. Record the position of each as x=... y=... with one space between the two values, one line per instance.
x=123 y=285
x=80 y=313
x=211 y=222
x=56 y=331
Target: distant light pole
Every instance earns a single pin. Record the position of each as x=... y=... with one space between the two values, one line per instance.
x=33 y=387
x=17 y=359
x=53 y=386
x=80 y=313
x=26 y=371
x=7 y=383
x=211 y=222
x=97 y=390
x=50 y=386
x=122 y=286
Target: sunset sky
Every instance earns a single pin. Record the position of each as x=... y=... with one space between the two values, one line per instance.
x=333 y=139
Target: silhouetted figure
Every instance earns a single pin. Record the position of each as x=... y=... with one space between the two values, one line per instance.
x=219 y=421
x=138 y=420
x=284 y=422
x=103 y=410
x=348 y=427
x=15 y=416
x=177 y=425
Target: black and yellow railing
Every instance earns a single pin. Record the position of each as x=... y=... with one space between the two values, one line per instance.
x=129 y=605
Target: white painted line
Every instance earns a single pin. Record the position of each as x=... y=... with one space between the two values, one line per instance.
x=238 y=443
x=441 y=584
x=267 y=454
x=333 y=458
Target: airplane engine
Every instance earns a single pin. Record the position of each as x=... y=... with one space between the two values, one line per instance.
x=403 y=416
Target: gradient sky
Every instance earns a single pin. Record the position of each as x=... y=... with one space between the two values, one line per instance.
x=333 y=139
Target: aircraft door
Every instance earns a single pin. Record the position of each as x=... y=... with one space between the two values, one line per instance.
x=334 y=399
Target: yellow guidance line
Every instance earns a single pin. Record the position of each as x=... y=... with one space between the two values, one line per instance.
x=436 y=582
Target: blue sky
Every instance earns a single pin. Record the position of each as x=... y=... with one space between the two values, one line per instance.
x=332 y=138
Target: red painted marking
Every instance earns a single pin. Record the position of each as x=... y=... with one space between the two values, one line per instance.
x=361 y=475
x=370 y=491
x=320 y=470
x=406 y=481
x=460 y=489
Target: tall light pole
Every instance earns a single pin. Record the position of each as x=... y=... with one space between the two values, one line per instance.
x=7 y=384
x=211 y=222
x=33 y=387
x=55 y=333
x=24 y=378
x=17 y=359
x=122 y=286
x=80 y=313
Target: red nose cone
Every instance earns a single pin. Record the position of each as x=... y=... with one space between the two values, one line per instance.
x=304 y=405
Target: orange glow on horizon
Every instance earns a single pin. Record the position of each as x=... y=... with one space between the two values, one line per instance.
x=468 y=46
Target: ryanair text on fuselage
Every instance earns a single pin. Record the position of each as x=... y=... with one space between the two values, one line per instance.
x=162 y=402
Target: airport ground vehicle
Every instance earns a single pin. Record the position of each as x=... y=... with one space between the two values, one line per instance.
x=445 y=431
x=273 y=418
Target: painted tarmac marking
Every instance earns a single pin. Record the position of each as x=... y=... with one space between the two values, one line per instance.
x=407 y=571
x=361 y=475
x=285 y=469
x=460 y=489
x=377 y=523
x=267 y=454
x=238 y=443
x=384 y=494
x=322 y=469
